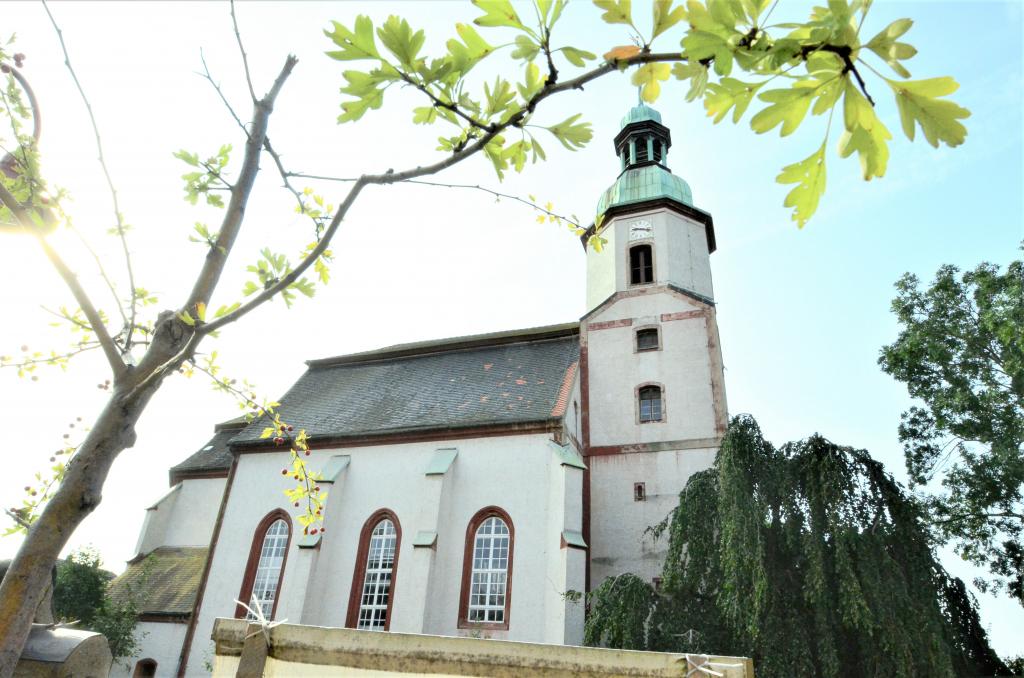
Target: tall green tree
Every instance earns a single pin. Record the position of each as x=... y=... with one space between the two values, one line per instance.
x=81 y=593
x=960 y=352
x=793 y=70
x=810 y=559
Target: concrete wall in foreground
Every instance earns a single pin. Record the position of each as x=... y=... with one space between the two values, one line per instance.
x=311 y=651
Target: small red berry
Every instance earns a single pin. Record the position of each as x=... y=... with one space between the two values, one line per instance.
x=313 y=531
x=296 y=504
x=4 y=68
x=296 y=476
x=284 y=471
x=290 y=428
x=308 y=453
x=322 y=530
x=283 y=428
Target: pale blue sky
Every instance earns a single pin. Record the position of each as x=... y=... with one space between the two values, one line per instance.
x=802 y=313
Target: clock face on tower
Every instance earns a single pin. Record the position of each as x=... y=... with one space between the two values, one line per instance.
x=641 y=228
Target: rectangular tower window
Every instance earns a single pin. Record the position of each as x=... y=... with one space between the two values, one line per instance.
x=647 y=339
x=639 y=492
x=641 y=265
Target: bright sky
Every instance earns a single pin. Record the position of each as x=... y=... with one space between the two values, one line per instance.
x=803 y=313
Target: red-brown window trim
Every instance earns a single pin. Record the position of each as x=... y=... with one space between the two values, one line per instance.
x=359 y=573
x=467 y=569
x=259 y=535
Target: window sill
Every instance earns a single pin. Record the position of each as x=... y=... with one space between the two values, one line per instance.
x=482 y=626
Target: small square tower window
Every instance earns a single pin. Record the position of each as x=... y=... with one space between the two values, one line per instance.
x=639 y=492
x=647 y=339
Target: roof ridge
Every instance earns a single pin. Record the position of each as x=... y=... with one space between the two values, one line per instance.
x=451 y=344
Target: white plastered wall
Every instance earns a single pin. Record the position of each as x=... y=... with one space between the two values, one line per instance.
x=519 y=473
x=618 y=542
x=682 y=366
x=161 y=642
x=184 y=516
x=687 y=366
x=680 y=255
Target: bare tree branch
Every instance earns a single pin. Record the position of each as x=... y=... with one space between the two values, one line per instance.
x=106 y=173
x=441 y=184
x=392 y=177
x=71 y=280
x=241 y=48
x=220 y=93
x=210 y=274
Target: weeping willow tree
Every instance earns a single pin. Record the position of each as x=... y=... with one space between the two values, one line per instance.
x=809 y=558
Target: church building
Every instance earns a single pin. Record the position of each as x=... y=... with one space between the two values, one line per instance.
x=474 y=483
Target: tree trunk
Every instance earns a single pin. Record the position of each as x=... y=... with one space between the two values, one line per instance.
x=25 y=585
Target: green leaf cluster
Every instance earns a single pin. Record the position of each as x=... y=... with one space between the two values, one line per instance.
x=960 y=351
x=81 y=593
x=208 y=180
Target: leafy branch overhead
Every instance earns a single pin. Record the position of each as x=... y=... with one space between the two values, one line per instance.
x=729 y=52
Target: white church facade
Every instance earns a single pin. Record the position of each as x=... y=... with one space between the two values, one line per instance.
x=473 y=483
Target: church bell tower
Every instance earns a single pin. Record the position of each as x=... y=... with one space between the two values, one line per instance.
x=651 y=367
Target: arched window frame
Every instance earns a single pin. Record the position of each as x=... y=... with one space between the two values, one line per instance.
x=648 y=243
x=664 y=408
x=467 y=569
x=259 y=535
x=359 y=572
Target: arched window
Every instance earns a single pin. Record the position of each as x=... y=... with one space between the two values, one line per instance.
x=373 y=581
x=641 y=264
x=487 y=571
x=145 y=668
x=650 y=404
x=265 y=569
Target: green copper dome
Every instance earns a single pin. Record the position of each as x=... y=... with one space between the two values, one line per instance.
x=641 y=184
x=640 y=114
x=642 y=146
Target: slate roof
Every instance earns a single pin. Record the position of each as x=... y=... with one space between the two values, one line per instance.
x=214 y=457
x=503 y=378
x=164 y=582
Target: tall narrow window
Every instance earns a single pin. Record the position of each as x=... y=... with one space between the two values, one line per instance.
x=641 y=149
x=374 y=578
x=265 y=569
x=650 y=404
x=487 y=571
x=641 y=265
